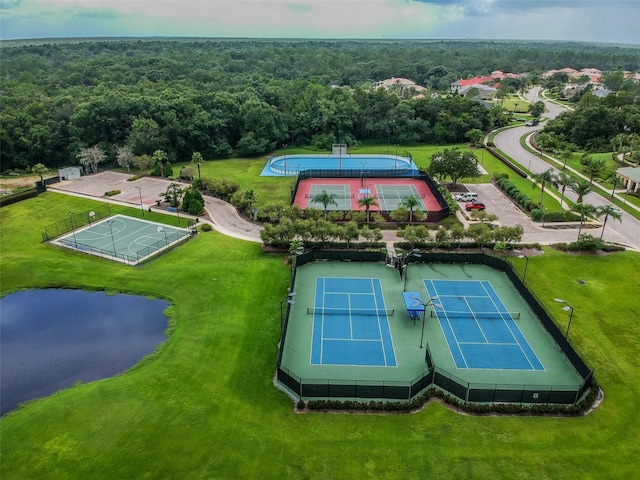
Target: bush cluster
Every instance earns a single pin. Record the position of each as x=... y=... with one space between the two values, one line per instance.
x=223 y=189
x=111 y=193
x=577 y=409
x=514 y=192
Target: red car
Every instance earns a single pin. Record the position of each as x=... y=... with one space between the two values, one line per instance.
x=475 y=205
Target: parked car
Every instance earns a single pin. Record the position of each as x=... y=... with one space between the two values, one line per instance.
x=466 y=197
x=532 y=123
x=475 y=205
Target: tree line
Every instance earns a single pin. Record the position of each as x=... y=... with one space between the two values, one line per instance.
x=230 y=97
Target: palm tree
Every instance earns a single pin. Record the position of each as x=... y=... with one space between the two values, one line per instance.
x=595 y=166
x=581 y=188
x=608 y=211
x=585 y=210
x=410 y=203
x=367 y=203
x=325 y=199
x=616 y=182
x=543 y=178
x=250 y=197
x=563 y=181
x=196 y=159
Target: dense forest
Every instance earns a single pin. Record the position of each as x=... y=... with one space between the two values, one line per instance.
x=247 y=97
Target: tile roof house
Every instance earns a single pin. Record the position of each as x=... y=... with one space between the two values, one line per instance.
x=401 y=86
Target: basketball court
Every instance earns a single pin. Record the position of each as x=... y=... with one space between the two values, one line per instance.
x=123 y=239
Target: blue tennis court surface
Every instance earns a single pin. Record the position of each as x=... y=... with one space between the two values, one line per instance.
x=350 y=324
x=479 y=330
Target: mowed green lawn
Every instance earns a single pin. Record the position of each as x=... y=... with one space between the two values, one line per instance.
x=204 y=406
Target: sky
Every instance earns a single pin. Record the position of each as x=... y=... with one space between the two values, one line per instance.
x=602 y=21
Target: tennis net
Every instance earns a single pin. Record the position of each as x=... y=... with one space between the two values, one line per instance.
x=478 y=315
x=351 y=311
x=337 y=195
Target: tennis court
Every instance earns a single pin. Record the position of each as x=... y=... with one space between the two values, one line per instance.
x=341 y=196
x=350 y=325
x=388 y=193
x=349 y=333
x=124 y=239
x=478 y=328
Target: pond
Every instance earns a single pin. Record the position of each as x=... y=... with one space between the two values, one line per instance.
x=51 y=339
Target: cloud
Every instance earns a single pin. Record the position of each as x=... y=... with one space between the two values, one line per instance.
x=585 y=20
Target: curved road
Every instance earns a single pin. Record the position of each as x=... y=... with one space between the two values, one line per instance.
x=626 y=232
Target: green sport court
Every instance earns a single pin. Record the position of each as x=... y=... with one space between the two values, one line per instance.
x=351 y=327
x=123 y=239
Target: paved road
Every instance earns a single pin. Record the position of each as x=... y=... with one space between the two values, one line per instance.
x=626 y=232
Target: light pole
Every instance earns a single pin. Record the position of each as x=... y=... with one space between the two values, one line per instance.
x=73 y=228
x=522 y=255
x=431 y=302
x=141 y=205
x=405 y=264
x=388 y=139
x=289 y=299
x=285 y=157
x=362 y=164
x=113 y=242
x=566 y=308
x=544 y=216
x=92 y=214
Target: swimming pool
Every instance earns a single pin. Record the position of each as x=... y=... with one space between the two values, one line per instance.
x=292 y=165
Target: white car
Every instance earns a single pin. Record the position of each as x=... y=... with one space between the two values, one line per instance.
x=466 y=197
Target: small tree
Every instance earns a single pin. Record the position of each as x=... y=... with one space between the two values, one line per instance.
x=196 y=159
x=616 y=182
x=325 y=199
x=39 y=169
x=543 y=178
x=173 y=195
x=454 y=163
x=159 y=158
x=608 y=211
x=563 y=181
x=410 y=203
x=581 y=188
x=474 y=136
x=124 y=157
x=367 y=203
x=585 y=210
x=91 y=157
x=250 y=197
x=537 y=109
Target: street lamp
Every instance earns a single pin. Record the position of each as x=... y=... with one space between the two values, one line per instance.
x=404 y=259
x=566 y=308
x=285 y=157
x=73 y=228
x=362 y=173
x=141 y=205
x=522 y=255
x=92 y=215
x=544 y=216
x=289 y=300
x=388 y=139
x=113 y=242
x=431 y=302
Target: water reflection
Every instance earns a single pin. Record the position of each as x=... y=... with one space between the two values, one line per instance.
x=51 y=339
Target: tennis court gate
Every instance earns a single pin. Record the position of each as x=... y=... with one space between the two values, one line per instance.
x=435 y=376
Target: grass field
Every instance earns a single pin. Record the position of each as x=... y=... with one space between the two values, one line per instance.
x=204 y=406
